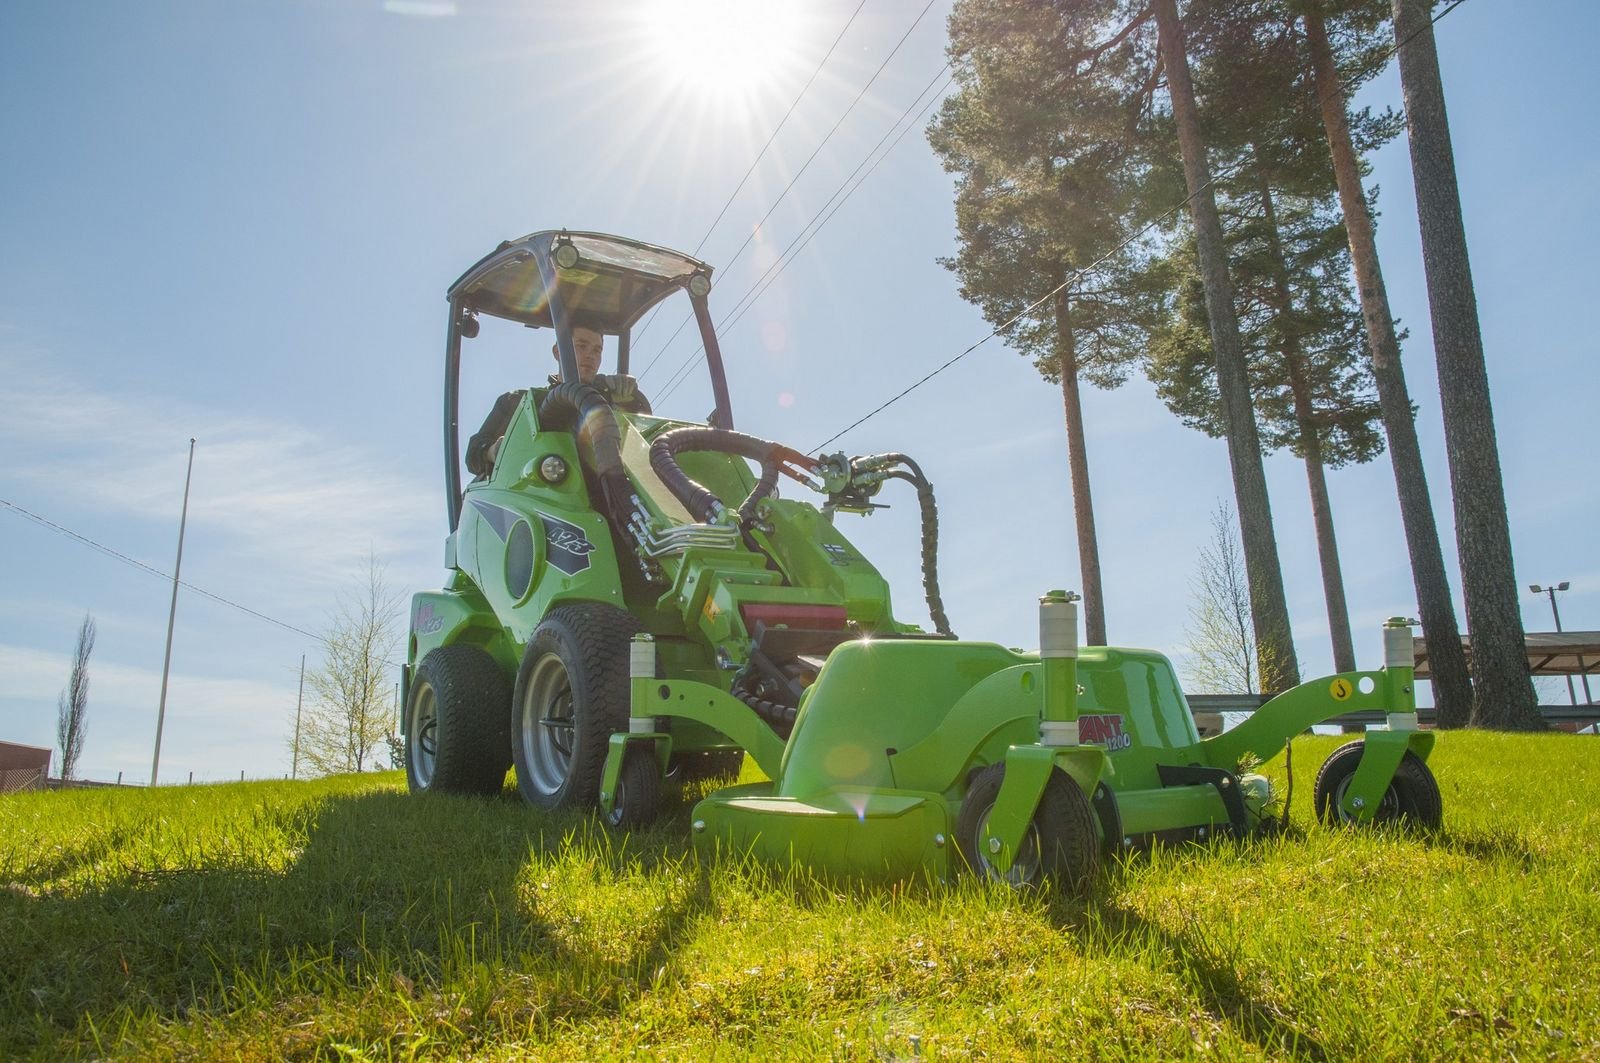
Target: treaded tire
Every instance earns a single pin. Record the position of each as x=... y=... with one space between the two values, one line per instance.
x=457 y=738
x=719 y=764
x=637 y=801
x=571 y=696
x=1412 y=798
x=1062 y=843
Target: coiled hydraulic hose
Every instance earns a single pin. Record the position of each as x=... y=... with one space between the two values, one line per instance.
x=781 y=717
x=912 y=474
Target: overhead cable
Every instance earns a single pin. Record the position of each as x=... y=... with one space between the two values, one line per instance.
x=798 y=173
x=1346 y=86
x=759 y=156
x=116 y=555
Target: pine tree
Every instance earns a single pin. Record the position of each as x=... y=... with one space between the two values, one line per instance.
x=1297 y=316
x=1041 y=134
x=1269 y=608
x=1503 y=690
x=1447 y=661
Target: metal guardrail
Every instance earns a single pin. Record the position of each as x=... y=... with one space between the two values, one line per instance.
x=1219 y=703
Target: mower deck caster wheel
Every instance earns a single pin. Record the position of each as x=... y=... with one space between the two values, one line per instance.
x=1412 y=798
x=637 y=801
x=1062 y=843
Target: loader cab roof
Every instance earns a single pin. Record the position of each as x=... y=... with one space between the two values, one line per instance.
x=562 y=280
x=602 y=282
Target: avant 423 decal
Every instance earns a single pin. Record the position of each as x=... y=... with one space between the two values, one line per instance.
x=567 y=546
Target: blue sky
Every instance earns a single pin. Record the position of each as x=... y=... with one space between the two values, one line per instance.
x=237 y=222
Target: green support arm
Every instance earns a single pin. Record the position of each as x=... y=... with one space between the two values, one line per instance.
x=1273 y=724
x=686 y=699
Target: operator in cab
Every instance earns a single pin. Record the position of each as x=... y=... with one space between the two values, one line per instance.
x=589 y=346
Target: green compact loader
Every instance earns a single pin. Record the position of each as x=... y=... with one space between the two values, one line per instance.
x=630 y=602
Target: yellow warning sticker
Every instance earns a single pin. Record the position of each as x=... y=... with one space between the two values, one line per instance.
x=1340 y=689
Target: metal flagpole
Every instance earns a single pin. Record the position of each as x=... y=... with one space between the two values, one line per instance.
x=299 y=700
x=172 y=616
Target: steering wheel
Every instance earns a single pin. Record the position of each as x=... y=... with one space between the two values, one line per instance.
x=774 y=458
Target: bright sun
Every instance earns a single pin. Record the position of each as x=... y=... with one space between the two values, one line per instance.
x=723 y=47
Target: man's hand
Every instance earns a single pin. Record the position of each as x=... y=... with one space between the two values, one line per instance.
x=621 y=387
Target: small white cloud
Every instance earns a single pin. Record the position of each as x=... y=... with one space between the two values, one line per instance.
x=420 y=8
x=273 y=495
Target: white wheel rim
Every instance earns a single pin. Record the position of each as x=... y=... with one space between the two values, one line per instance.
x=424 y=732
x=1024 y=868
x=1388 y=807
x=546 y=726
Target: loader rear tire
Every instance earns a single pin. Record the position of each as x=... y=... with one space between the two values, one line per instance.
x=571 y=697
x=1062 y=844
x=457 y=739
x=1412 y=798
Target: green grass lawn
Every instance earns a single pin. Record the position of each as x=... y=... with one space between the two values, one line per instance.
x=345 y=919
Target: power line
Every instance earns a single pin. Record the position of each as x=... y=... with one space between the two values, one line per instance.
x=997 y=330
x=152 y=570
x=818 y=220
x=798 y=173
x=762 y=153
x=784 y=263
x=759 y=156
x=1344 y=87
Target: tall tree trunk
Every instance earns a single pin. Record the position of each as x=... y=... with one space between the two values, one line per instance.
x=1269 y=609
x=1503 y=689
x=1344 y=654
x=1094 y=607
x=1452 y=691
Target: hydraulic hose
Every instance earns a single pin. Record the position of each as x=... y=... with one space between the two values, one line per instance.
x=781 y=717
x=912 y=474
x=586 y=409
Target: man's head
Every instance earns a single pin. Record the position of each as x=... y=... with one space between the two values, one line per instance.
x=589 y=346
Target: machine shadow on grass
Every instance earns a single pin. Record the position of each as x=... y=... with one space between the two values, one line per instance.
x=1493 y=848
x=1204 y=968
x=385 y=885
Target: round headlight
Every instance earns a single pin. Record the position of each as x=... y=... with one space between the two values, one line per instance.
x=699 y=285
x=553 y=468
x=566 y=255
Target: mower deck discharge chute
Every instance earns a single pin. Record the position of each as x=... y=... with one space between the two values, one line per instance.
x=628 y=605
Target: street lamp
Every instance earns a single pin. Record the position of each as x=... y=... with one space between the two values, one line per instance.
x=1556 y=612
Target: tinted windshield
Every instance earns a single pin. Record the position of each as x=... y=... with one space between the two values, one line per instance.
x=613 y=282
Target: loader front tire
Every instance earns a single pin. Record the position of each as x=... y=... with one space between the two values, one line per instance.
x=457 y=741
x=571 y=696
x=1412 y=798
x=1062 y=843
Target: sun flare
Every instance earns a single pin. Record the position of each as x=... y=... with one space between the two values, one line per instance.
x=723 y=48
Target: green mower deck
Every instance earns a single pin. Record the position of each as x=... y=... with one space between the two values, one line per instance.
x=913 y=757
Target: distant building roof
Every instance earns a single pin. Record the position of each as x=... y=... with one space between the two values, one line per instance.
x=1549 y=653
x=14 y=755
